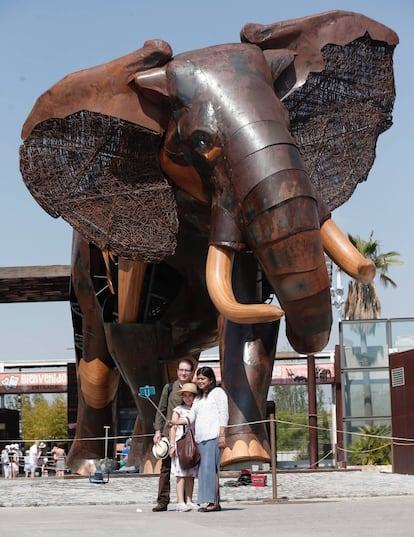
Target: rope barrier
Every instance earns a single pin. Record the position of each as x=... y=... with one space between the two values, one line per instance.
x=330 y=452
x=359 y=451
x=400 y=441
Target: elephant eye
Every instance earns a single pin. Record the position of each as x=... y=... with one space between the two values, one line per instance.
x=202 y=142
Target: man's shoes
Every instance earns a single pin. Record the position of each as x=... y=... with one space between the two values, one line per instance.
x=159 y=507
x=183 y=507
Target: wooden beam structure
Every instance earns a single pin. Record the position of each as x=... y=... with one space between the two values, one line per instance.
x=34 y=284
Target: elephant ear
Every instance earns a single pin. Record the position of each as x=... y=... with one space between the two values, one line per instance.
x=338 y=87
x=90 y=155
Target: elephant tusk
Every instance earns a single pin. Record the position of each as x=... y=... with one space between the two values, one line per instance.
x=345 y=255
x=218 y=277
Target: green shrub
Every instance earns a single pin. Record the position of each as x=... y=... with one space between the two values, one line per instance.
x=372 y=448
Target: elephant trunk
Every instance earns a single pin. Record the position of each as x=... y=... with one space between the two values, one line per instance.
x=282 y=229
x=277 y=212
x=271 y=207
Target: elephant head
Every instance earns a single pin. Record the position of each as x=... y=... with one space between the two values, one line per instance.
x=237 y=127
x=231 y=131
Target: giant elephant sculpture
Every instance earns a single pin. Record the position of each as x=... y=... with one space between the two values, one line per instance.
x=199 y=186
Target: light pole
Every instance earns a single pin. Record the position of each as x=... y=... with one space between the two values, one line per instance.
x=337 y=294
x=106 y=427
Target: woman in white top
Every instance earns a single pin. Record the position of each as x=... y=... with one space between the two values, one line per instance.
x=210 y=416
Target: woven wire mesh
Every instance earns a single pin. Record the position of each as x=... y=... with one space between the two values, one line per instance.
x=338 y=114
x=102 y=175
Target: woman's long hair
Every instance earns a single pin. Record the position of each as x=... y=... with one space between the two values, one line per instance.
x=209 y=373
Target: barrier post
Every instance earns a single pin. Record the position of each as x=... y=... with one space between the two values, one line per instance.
x=106 y=427
x=273 y=455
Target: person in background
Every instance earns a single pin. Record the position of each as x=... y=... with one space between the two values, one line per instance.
x=43 y=460
x=14 y=454
x=184 y=477
x=5 y=463
x=124 y=452
x=210 y=416
x=19 y=453
x=34 y=453
x=27 y=466
x=59 y=456
x=168 y=401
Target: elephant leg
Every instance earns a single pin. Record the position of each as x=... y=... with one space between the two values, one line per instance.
x=247 y=363
x=97 y=389
x=247 y=355
x=97 y=376
x=137 y=348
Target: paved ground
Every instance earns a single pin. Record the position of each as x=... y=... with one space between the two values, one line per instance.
x=344 y=503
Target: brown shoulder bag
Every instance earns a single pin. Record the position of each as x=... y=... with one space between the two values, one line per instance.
x=187 y=451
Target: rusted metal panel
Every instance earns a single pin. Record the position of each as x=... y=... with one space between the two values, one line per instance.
x=402 y=411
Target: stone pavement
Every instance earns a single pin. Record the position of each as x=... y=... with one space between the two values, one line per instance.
x=137 y=488
x=343 y=502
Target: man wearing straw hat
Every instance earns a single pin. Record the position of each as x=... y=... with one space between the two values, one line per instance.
x=168 y=401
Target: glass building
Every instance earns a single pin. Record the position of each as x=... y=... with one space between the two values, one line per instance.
x=365 y=347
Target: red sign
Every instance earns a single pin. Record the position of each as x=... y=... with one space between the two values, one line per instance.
x=39 y=382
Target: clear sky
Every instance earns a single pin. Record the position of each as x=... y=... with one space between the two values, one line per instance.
x=43 y=40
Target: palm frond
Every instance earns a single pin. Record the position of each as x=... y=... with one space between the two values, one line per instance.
x=386 y=280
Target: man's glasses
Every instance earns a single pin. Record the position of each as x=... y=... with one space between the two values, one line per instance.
x=184 y=370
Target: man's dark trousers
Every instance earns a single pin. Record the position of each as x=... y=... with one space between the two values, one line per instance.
x=164 y=482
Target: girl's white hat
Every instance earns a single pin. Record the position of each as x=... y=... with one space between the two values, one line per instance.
x=188 y=387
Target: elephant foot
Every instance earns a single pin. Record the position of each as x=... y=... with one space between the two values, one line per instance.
x=83 y=467
x=150 y=467
x=81 y=458
x=243 y=450
x=147 y=463
x=88 y=467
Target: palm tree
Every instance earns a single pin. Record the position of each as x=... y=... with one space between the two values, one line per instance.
x=362 y=301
